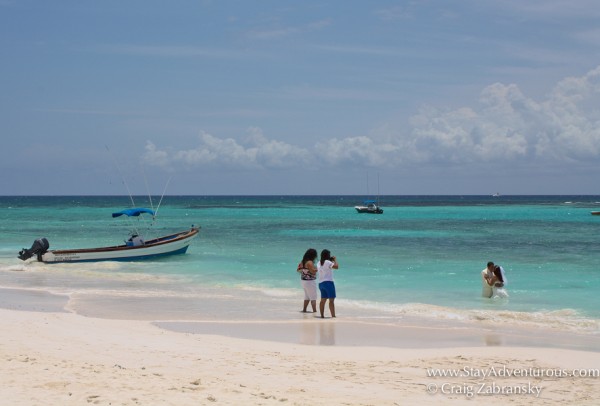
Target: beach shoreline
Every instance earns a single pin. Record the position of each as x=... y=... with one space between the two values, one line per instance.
x=53 y=356
x=228 y=316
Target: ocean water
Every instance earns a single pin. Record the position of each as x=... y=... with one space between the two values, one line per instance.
x=421 y=258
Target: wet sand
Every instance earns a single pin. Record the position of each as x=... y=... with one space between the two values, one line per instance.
x=50 y=355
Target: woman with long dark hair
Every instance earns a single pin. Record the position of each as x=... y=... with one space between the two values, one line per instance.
x=498 y=282
x=308 y=278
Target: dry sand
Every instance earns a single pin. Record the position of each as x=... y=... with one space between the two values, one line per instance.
x=60 y=358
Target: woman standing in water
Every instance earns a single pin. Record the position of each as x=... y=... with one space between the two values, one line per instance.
x=326 y=285
x=308 y=277
x=497 y=282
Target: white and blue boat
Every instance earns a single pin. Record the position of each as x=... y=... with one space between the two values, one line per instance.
x=134 y=249
x=369 y=206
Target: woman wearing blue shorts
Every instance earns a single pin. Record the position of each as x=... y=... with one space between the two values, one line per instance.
x=325 y=267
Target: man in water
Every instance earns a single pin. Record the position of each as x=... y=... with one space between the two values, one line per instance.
x=487 y=274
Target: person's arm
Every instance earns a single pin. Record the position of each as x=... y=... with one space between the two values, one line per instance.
x=311 y=268
x=335 y=263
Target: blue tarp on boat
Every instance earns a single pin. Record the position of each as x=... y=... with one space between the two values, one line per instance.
x=133 y=212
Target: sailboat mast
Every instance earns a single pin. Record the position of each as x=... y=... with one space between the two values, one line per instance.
x=377 y=188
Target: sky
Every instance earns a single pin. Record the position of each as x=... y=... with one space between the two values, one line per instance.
x=272 y=97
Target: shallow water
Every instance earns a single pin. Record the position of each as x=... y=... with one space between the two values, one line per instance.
x=422 y=257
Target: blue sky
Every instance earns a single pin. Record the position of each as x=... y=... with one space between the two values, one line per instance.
x=299 y=97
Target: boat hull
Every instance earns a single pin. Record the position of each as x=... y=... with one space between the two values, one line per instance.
x=366 y=209
x=168 y=245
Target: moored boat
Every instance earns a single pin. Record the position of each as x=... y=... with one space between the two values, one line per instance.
x=370 y=206
x=134 y=249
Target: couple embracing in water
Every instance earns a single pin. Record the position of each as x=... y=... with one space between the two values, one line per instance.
x=493 y=281
x=308 y=275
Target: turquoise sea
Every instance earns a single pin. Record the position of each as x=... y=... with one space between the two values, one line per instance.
x=421 y=258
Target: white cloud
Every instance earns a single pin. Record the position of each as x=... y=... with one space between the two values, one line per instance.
x=257 y=152
x=505 y=126
x=154 y=156
x=356 y=150
x=508 y=126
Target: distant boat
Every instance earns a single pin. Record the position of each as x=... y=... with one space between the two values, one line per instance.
x=496 y=194
x=134 y=249
x=596 y=213
x=370 y=206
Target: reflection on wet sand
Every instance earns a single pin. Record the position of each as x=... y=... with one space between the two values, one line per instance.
x=493 y=340
x=317 y=333
x=308 y=333
x=327 y=333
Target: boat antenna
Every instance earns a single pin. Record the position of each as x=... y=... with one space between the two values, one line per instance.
x=161 y=197
x=377 y=188
x=121 y=175
x=147 y=188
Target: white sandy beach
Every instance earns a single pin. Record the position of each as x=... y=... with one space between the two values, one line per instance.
x=62 y=358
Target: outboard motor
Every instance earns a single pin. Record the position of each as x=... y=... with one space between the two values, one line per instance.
x=39 y=248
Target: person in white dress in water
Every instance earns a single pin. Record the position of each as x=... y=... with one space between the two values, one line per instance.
x=497 y=282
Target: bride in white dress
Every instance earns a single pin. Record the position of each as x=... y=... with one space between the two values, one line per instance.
x=498 y=282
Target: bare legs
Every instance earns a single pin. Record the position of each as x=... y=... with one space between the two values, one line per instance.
x=313 y=304
x=331 y=307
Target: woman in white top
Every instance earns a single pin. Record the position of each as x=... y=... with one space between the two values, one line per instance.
x=325 y=267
